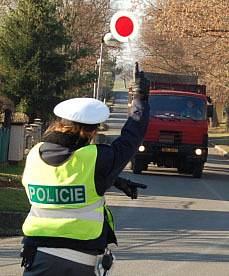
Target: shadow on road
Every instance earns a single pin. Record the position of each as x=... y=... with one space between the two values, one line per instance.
x=173 y=235
x=215 y=159
x=215 y=170
x=179 y=233
x=6 y=252
x=213 y=185
x=176 y=256
x=174 y=219
x=219 y=140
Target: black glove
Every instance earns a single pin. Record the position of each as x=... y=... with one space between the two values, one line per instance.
x=28 y=254
x=140 y=85
x=128 y=187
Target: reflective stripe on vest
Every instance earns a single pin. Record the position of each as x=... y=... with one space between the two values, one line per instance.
x=87 y=212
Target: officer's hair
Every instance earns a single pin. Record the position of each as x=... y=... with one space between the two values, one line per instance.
x=69 y=127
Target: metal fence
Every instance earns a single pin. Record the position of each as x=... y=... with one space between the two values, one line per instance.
x=4 y=144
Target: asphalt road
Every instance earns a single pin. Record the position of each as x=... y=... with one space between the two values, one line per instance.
x=179 y=226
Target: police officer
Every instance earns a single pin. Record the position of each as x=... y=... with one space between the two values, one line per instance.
x=66 y=177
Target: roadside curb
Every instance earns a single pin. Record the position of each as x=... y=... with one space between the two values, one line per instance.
x=221 y=151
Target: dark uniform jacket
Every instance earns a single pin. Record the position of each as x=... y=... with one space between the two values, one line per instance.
x=111 y=160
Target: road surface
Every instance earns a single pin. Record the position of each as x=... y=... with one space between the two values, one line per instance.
x=179 y=226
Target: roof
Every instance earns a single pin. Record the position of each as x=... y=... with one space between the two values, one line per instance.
x=17 y=117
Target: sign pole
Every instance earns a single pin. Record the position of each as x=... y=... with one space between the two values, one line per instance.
x=94 y=88
x=100 y=69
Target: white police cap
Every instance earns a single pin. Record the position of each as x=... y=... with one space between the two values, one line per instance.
x=82 y=110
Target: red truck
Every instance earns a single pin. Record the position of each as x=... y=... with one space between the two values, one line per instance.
x=177 y=134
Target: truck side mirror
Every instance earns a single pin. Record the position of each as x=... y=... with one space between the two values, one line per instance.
x=210 y=110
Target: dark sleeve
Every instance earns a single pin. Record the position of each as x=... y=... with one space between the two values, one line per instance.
x=112 y=159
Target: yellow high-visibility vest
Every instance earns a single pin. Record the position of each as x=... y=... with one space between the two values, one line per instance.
x=64 y=201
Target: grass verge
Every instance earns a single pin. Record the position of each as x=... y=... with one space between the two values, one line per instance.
x=13 y=200
x=14 y=207
x=12 y=169
x=14 y=204
x=218 y=135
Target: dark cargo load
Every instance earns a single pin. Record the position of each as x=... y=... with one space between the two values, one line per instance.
x=186 y=83
x=171 y=78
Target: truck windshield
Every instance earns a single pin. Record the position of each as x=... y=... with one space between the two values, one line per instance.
x=177 y=107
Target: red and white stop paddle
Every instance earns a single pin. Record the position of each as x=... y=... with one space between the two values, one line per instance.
x=124 y=26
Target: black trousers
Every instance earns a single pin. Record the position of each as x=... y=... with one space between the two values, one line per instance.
x=48 y=265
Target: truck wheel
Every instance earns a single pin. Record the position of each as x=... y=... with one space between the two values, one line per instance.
x=198 y=170
x=137 y=166
x=181 y=169
x=145 y=166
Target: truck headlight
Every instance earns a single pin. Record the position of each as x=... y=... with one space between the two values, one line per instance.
x=198 y=151
x=141 y=148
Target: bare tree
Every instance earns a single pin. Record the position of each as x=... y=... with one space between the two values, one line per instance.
x=190 y=37
x=87 y=23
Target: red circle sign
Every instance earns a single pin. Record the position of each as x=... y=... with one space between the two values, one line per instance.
x=124 y=26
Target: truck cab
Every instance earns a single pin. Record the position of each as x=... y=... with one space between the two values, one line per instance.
x=177 y=133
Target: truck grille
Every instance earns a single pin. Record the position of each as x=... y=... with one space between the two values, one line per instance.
x=171 y=137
